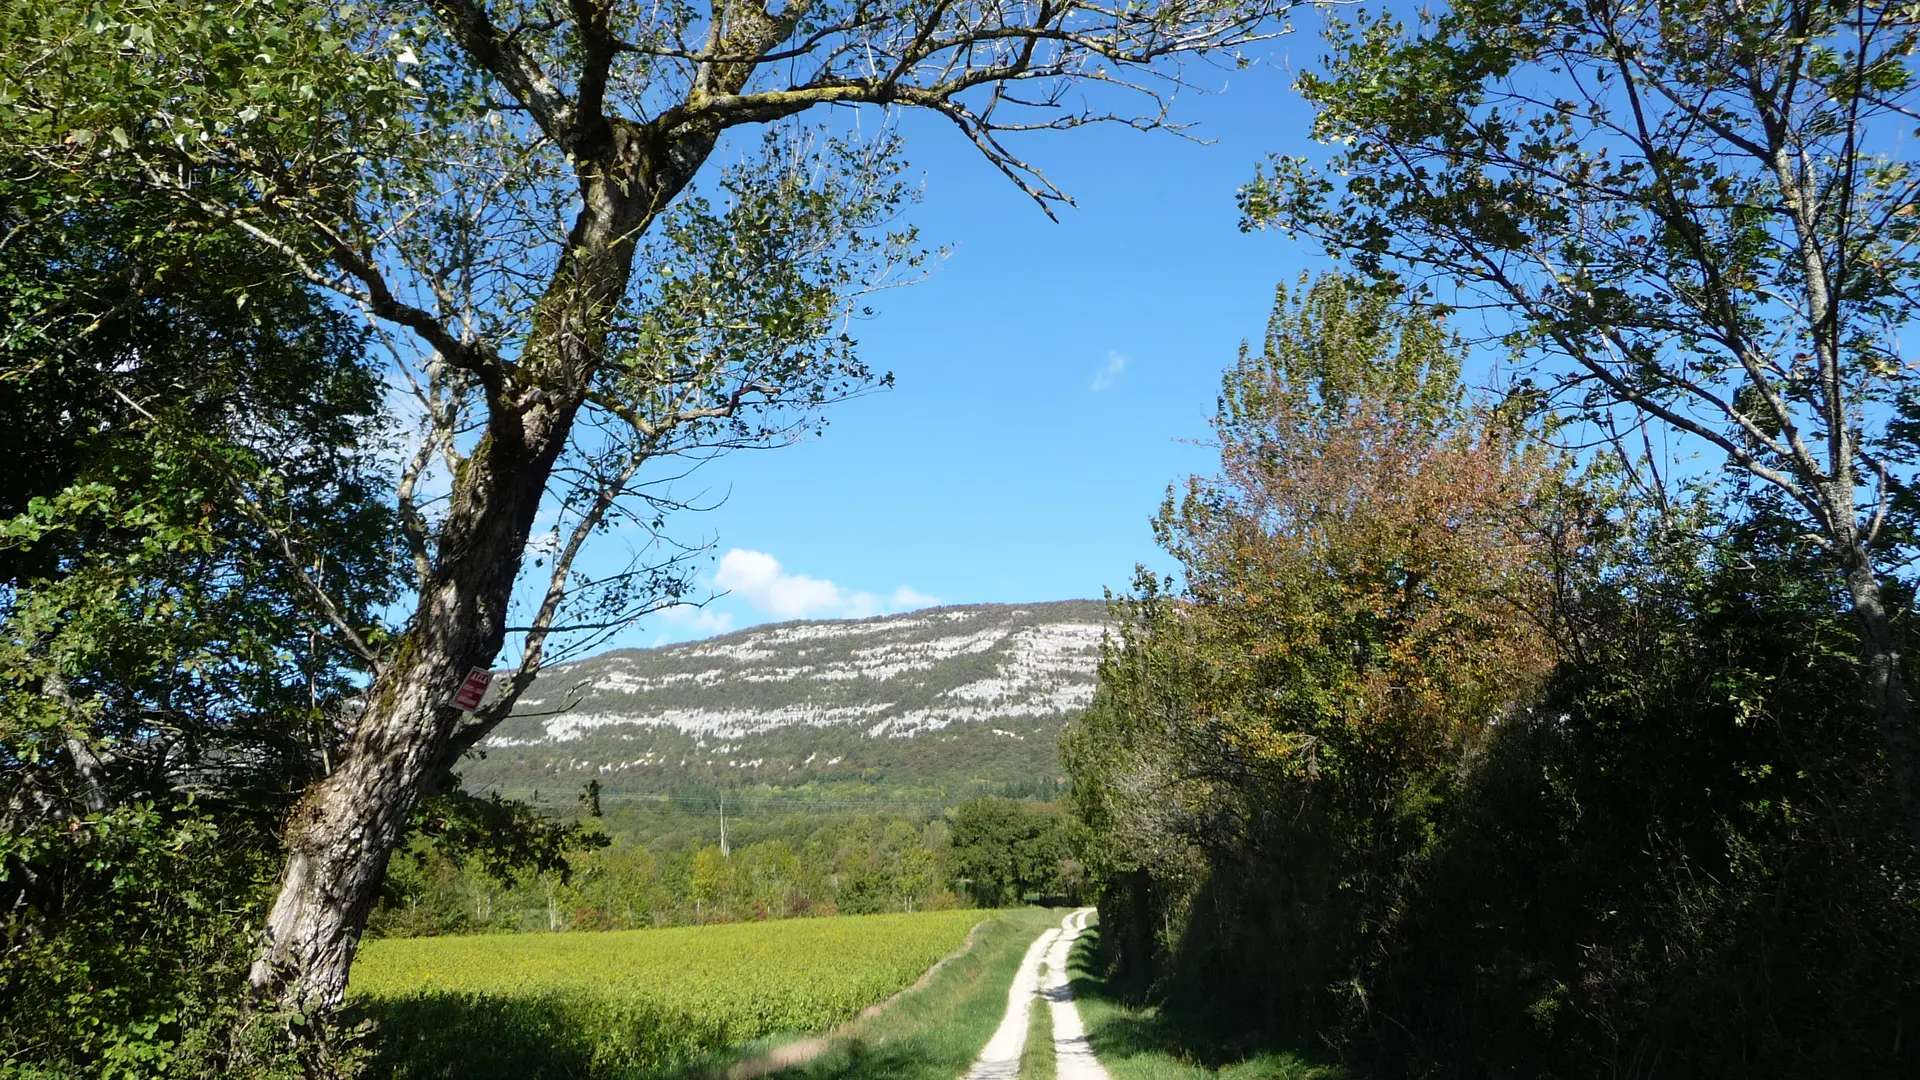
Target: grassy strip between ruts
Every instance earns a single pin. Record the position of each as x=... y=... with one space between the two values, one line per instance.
x=1037 y=1060
x=1135 y=1043
x=634 y=1004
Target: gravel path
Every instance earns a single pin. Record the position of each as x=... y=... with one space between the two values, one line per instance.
x=1073 y=1056
x=1001 y=1059
x=1075 y=1061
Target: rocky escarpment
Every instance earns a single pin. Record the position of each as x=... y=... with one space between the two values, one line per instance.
x=974 y=693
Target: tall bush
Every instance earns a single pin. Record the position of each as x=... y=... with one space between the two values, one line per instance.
x=1364 y=577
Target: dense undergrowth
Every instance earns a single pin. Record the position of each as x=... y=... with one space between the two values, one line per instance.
x=1135 y=1041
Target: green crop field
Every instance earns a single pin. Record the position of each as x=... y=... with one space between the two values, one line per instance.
x=639 y=1003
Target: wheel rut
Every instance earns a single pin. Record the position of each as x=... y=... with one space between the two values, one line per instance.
x=1073 y=1055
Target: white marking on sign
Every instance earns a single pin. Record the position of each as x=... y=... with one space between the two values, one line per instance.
x=473 y=690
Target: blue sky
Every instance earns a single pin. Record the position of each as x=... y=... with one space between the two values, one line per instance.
x=1051 y=379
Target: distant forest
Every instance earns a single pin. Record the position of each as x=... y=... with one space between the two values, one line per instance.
x=640 y=864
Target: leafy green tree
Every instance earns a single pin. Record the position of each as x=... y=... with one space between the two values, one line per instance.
x=1366 y=583
x=1008 y=852
x=628 y=893
x=1696 y=215
x=709 y=881
x=168 y=681
x=769 y=873
x=512 y=189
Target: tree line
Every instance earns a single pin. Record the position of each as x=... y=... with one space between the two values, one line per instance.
x=1558 y=726
x=1452 y=756
x=647 y=867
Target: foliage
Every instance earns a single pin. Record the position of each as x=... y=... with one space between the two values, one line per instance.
x=186 y=415
x=1008 y=852
x=95 y=984
x=462 y=847
x=1685 y=861
x=501 y=835
x=1697 y=204
x=1650 y=835
x=1135 y=1042
x=1693 y=215
x=1361 y=581
x=620 y=1004
x=632 y=870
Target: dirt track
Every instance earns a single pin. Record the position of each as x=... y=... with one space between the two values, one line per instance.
x=1074 y=1059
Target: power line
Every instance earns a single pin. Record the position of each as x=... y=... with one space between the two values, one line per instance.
x=739 y=801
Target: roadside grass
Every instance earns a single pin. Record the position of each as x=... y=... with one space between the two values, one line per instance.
x=936 y=1032
x=633 y=1005
x=1136 y=1043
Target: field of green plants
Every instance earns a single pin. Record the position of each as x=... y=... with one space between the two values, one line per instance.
x=642 y=1003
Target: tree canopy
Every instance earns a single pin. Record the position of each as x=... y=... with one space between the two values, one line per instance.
x=1009 y=852
x=1447 y=761
x=1697 y=216
x=168 y=681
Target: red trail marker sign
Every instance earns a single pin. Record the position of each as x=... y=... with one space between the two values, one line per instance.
x=473 y=690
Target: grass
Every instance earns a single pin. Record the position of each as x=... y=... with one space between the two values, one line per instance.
x=1136 y=1043
x=1037 y=1061
x=935 y=1033
x=633 y=1004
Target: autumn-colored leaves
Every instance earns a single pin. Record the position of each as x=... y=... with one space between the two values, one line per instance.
x=1367 y=571
x=1368 y=587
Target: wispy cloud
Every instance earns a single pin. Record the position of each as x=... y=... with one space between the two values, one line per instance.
x=906 y=599
x=1116 y=363
x=698 y=621
x=759 y=578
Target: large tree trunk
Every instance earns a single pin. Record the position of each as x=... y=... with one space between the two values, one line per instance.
x=1886 y=686
x=344 y=829
x=341 y=834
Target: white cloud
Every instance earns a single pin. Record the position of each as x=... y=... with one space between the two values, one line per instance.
x=862 y=605
x=907 y=599
x=699 y=621
x=1116 y=363
x=759 y=578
